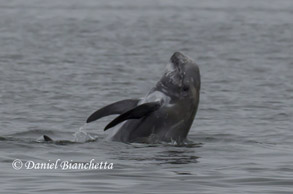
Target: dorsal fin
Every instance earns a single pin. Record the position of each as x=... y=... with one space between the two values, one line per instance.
x=115 y=108
x=135 y=113
x=47 y=138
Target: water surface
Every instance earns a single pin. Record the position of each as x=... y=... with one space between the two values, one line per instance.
x=62 y=60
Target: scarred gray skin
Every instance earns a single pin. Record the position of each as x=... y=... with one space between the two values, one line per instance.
x=178 y=92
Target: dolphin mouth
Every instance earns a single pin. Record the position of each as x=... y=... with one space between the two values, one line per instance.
x=179 y=59
x=175 y=70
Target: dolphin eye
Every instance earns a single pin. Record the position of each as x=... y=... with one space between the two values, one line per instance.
x=185 y=88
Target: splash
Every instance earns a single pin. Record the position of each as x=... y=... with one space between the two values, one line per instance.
x=82 y=136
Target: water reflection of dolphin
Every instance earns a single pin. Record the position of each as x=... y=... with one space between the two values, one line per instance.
x=167 y=111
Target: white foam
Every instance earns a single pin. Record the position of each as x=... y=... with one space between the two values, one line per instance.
x=82 y=136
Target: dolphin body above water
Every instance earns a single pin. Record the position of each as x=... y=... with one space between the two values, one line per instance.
x=166 y=113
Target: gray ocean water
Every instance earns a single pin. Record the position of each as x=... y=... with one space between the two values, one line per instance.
x=62 y=60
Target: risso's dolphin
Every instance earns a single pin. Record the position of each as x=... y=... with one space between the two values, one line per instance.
x=166 y=113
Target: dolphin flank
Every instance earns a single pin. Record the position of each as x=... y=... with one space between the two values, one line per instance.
x=166 y=113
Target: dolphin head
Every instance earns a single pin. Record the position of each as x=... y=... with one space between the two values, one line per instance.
x=182 y=77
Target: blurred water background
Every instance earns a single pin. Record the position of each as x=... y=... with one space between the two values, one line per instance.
x=62 y=60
